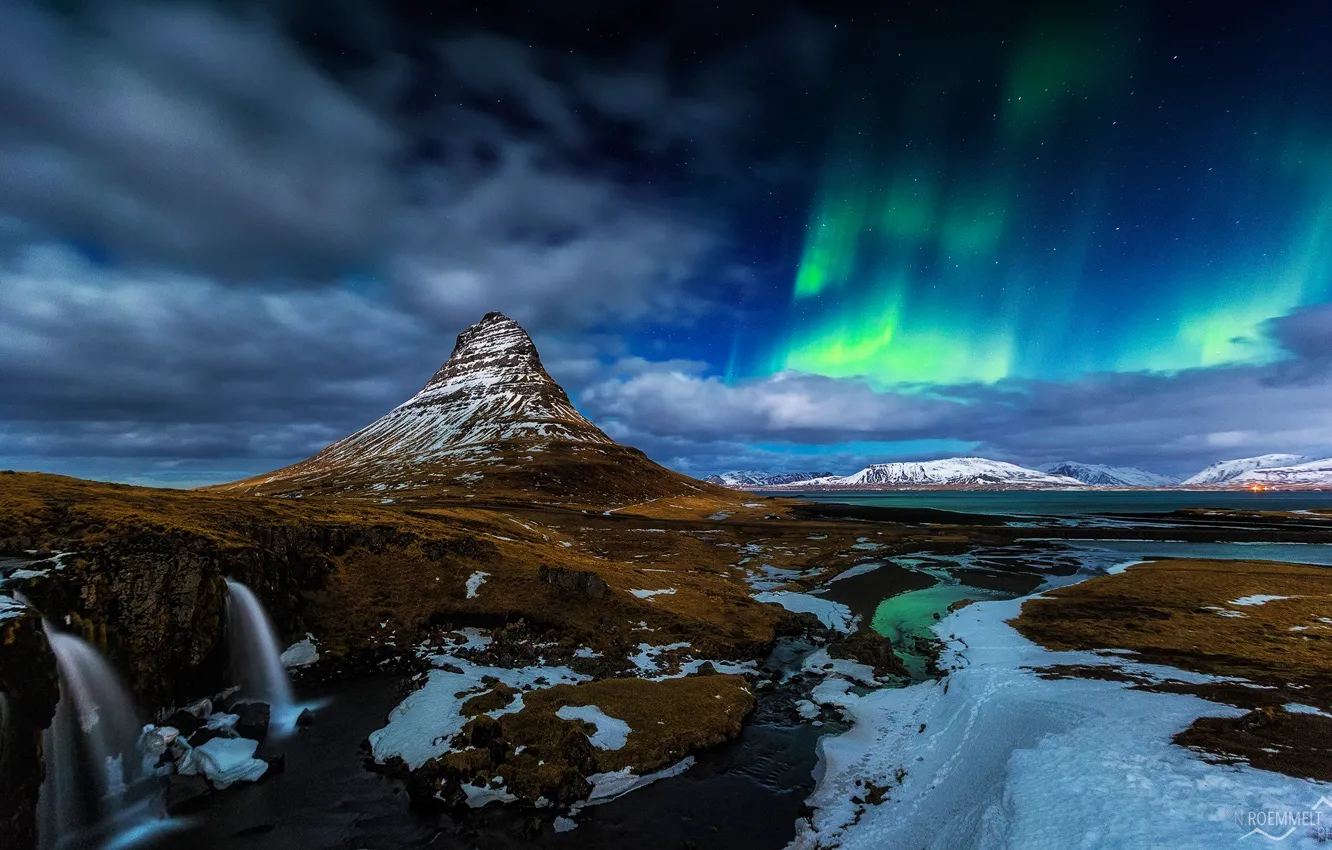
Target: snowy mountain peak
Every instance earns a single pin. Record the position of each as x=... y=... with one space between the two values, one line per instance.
x=1108 y=476
x=961 y=472
x=746 y=478
x=492 y=389
x=1313 y=473
x=1227 y=471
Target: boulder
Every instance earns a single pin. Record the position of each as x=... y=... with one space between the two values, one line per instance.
x=580 y=583
x=253 y=720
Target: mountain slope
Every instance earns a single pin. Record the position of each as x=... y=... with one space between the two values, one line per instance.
x=491 y=422
x=1314 y=473
x=1108 y=476
x=958 y=472
x=1227 y=470
x=742 y=478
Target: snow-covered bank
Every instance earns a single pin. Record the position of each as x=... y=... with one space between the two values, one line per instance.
x=993 y=755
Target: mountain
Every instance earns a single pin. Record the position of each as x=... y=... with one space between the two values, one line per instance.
x=1314 y=473
x=741 y=479
x=957 y=472
x=1227 y=470
x=491 y=422
x=1108 y=476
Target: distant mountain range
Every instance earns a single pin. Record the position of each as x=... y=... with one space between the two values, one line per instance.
x=742 y=478
x=1273 y=470
x=1227 y=471
x=1108 y=476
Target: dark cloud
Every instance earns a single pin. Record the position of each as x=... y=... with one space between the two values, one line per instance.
x=1171 y=423
x=177 y=134
x=230 y=234
x=1306 y=333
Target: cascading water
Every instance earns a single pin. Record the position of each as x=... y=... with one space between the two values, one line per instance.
x=94 y=791
x=256 y=656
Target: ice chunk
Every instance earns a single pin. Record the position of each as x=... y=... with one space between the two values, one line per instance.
x=225 y=761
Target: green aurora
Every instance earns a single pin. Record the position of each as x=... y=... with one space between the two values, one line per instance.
x=1042 y=241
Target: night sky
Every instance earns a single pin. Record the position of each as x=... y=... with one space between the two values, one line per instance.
x=743 y=235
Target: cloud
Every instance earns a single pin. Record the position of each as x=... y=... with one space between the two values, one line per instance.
x=1172 y=423
x=177 y=134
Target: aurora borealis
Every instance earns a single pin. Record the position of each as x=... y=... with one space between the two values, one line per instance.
x=1080 y=197
x=782 y=235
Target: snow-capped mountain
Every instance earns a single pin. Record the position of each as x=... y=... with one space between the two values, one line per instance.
x=746 y=478
x=1314 y=473
x=961 y=472
x=1227 y=470
x=492 y=389
x=490 y=419
x=1108 y=476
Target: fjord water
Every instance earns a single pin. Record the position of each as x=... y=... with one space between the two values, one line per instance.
x=256 y=663
x=94 y=793
x=1076 y=502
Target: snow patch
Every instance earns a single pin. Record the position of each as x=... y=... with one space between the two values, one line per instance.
x=612 y=733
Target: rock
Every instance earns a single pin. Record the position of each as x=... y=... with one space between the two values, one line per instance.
x=200 y=708
x=205 y=735
x=276 y=764
x=305 y=719
x=582 y=583
x=254 y=718
x=28 y=694
x=871 y=649
x=186 y=793
x=960 y=604
x=187 y=722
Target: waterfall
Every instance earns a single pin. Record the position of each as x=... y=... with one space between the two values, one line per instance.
x=256 y=656
x=94 y=788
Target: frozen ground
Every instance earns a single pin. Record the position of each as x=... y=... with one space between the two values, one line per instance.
x=994 y=756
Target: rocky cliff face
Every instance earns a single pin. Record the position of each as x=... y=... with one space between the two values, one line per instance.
x=28 y=695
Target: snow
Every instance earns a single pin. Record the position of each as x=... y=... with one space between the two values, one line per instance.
x=492 y=389
x=955 y=471
x=477 y=796
x=612 y=733
x=608 y=786
x=646 y=657
x=224 y=761
x=645 y=594
x=586 y=652
x=563 y=824
x=300 y=654
x=834 y=615
x=1226 y=471
x=746 y=478
x=1314 y=473
x=1108 y=476
x=1296 y=708
x=858 y=570
x=421 y=726
x=474 y=582
x=995 y=756
x=11 y=607
x=1257 y=599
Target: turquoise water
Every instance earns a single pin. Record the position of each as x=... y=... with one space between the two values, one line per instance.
x=1075 y=503
x=908 y=615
